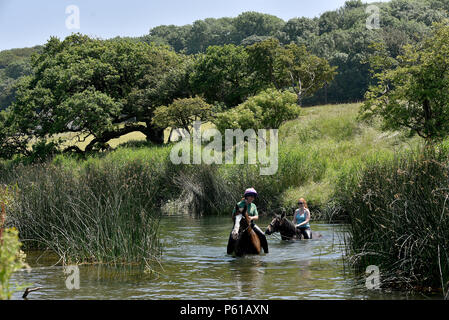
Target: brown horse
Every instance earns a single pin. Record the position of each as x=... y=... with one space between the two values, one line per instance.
x=287 y=229
x=243 y=239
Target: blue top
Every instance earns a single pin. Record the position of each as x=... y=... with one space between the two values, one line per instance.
x=300 y=218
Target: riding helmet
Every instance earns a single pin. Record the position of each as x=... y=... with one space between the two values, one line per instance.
x=250 y=192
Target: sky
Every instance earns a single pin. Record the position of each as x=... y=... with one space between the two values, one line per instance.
x=25 y=23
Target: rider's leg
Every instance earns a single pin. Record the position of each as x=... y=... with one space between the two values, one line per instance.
x=306 y=233
x=262 y=237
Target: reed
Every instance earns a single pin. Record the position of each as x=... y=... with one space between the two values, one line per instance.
x=399 y=218
x=100 y=212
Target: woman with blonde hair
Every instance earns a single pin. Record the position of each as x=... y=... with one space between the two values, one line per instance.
x=301 y=219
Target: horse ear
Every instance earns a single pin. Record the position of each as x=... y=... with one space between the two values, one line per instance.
x=283 y=215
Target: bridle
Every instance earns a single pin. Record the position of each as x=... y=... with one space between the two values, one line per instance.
x=272 y=226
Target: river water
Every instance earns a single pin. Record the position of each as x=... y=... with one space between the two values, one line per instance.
x=195 y=266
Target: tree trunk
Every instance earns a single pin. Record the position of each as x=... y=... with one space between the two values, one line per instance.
x=325 y=93
x=154 y=134
x=299 y=101
x=427 y=117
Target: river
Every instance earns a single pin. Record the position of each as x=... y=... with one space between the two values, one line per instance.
x=195 y=266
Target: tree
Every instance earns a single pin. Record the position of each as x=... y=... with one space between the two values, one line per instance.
x=171 y=35
x=303 y=71
x=267 y=110
x=261 y=61
x=414 y=94
x=255 y=23
x=221 y=75
x=300 y=28
x=209 y=32
x=182 y=113
x=93 y=88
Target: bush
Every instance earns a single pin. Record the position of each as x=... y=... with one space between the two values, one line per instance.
x=12 y=259
x=267 y=110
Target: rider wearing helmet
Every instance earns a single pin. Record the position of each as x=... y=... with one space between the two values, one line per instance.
x=248 y=198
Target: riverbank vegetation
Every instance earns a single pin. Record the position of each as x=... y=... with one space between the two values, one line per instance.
x=398 y=207
x=12 y=258
x=399 y=218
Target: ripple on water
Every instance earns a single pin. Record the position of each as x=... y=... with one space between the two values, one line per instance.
x=196 y=266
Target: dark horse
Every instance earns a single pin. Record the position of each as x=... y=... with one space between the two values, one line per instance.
x=287 y=229
x=243 y=239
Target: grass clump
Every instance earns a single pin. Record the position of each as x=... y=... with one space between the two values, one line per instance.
x=100 y=211
x=399 y=218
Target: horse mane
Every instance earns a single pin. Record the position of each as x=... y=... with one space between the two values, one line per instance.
x=288 y=226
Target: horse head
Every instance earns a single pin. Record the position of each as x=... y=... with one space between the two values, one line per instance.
x=276 y=224
x=240 y=221
x=284 y=226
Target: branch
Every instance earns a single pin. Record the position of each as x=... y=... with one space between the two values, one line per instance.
x=108 y=135
x=29 y=290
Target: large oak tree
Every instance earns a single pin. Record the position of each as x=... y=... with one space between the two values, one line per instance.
x=96 y=89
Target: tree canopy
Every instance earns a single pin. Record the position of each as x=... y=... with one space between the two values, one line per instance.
x=267 y=110
x=339 y=36
x=93 y=88
x=412 y=93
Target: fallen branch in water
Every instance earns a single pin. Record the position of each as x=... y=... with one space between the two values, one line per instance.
x=29 y=290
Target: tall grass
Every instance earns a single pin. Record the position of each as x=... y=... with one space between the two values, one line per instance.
x=399 y=218
x=97 y=211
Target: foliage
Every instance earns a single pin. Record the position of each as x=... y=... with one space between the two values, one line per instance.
x=221 y=75
x=14 y=64
x=12 y=259
x=182 y=113
x=267 y=110
x=339 y=36
x=262 y=58
x=88 y=87
x=414 y=94
x=304 y=72
x=398 y=217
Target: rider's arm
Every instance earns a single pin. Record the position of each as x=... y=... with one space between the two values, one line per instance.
x=256 y=215
x=294 y=218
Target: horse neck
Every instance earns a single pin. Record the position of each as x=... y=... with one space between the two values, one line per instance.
x=245 y=221
x=288 y=228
